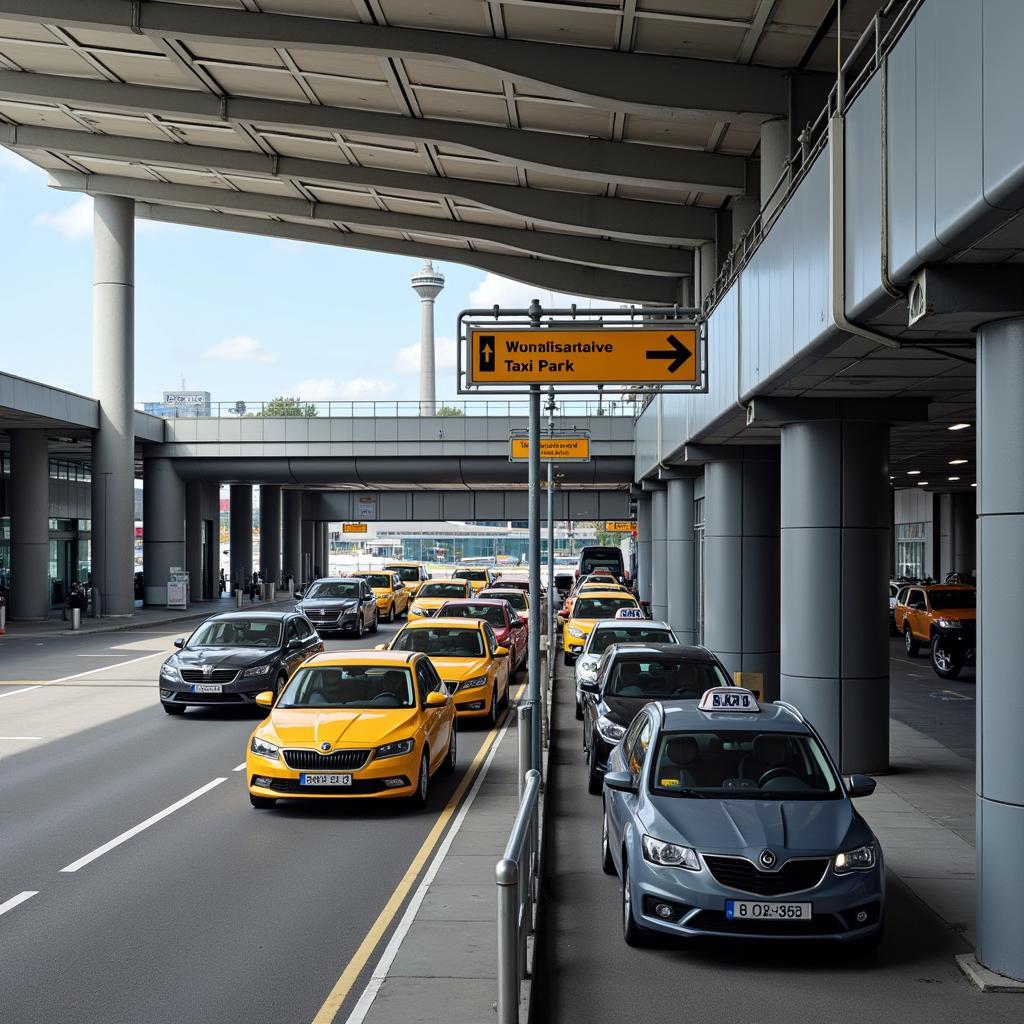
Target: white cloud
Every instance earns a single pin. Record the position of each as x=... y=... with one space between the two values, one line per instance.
x=408 y=360
x=240 y=349
x=74 y=221
x=331 y=389
x=502 y=291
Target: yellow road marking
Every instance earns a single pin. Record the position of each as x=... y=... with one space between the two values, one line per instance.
x=342 y=987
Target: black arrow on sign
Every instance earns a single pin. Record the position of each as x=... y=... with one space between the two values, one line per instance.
x=678 y=353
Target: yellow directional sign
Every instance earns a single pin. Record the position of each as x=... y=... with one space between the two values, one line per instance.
x=552 y=449
x=666 y=355
x=353 y=527
x=619 y=526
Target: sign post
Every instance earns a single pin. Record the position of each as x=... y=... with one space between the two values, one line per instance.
x=533 y=476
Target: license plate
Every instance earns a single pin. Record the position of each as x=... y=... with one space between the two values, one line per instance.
x=323 y=779
x=744 y=910
x=207 y=688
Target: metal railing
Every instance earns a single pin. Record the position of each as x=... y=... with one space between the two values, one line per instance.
x=516 y=876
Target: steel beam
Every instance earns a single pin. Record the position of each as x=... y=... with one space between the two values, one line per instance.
x=613 y=80
x=563 y=277
x=568 y=248
x=632 y=219
x=597 y=159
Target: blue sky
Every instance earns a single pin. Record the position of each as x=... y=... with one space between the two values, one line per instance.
x=242 y=317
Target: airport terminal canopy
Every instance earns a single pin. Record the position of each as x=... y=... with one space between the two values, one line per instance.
x=585 y=147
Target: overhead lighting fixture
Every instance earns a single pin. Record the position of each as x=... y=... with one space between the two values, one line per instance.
x=922 y=483
x=952 y=478
x=892 y=478
x=959 y=426
x=957 y=462
x=974 y=485
x=913 y=472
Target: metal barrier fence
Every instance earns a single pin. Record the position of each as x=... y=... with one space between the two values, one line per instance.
x=516 y=875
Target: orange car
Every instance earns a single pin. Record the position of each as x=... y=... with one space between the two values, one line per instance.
x=941 y=617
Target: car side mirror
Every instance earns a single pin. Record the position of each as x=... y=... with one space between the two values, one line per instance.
x=436 y=699
x=860 y=785
x=621 y=782
x=501 y=652
x=298 y=595
x=180 y=642
x=590 y=688
x=381 y=647
x=265 y=699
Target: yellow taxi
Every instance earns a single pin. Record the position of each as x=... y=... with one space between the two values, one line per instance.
x=588 y=609
x=519 y=599
x=592 y=588
x=353 y=724
x=412 y=574
x=391 y=593
x=474 y=666
x=479 y=578
x=434 y=593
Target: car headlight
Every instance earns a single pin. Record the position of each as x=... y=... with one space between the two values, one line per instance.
x=395 y=749
x=609 y=730
x=861 y=859
x=575 y=632
x=670 y=855
x=256 y=670
x=948 y=624
x=264 y=749
x=472 y=684
x=169 y=672
x=586 y=670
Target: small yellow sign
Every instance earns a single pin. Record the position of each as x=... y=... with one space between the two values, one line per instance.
x=552 y=449
x=619 y=526
x=667 y=355
x=353 y=528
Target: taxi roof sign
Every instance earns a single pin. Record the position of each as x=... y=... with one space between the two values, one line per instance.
x=630 y=613
x=728 y=698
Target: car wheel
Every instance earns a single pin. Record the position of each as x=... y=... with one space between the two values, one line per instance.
x=173 y=709
x=453 y=753
x=633 y=934
x=360 y=629
x=263 y=803
x=607 y=864
x=945 y=661
x=595 y=778
x=280 y=684
x=910 y=644
x=419 y=799
x=492 y=718
x=579 y=712
x=391 y=612
x=376 y=622
x=568 y=659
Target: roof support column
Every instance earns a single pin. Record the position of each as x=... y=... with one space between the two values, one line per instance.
x=1000 y=802
x=292 y=541
x=774 y=154
x=163 y=527
x=270 y=532
x=309 y=556
x=113 y=383
x=202 y=538
x=30 y=525
x=659 y=553
x=643 y=546
x=679 y=552
x=240 y=526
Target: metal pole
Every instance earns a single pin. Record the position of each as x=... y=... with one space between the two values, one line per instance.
x=506 y=876
x=551 y=548
x=533 y=660
x=523 y=728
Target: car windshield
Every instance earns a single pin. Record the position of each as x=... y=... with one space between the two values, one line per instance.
x=601 y=607
x=406 y=573
x=515 y=584
x=471 y=574
x=237 y=633
x=380 y=580
x=443 y=590
x=943 y=599
x=605 y=637
x=442 y=641
x=743 y=766
x=332 y=591
x=491 y=613
x=349 y=686
x=590 y=564
x=662 y=678
x=516 y=598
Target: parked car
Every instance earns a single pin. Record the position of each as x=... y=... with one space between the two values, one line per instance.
x=601 y=557
x=339 y=604
x=942 y=618
x=510 y=630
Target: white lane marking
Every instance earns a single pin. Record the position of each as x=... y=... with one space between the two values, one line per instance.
x=79 y=675
x=380 y=972
x=24 y=689
x=21 y=737
x=16 y=901
x=108 y=654
x=141 y=827
x=241 y=767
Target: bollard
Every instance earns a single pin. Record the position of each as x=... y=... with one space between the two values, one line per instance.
x=238 y=598
x=506 y=875
x=271 y=587
x=76 y=618
x=523 y=724
x=3 y=617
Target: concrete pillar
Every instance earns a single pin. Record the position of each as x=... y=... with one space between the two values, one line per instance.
x=240 y=511
x=1000 y=715
x=744 y=212
x=774 y=154
x=310 y=558
x=292 y=541
x=741 y=565
x=270 y=533
x=834 y=569
x=643 y=546
x=679 y=556
x=659 y=568
x=325 y=548
x=963 y=534
x=194 y=516
x=30 y=525
x=113 y=382
x=163 y=526
x=707 y=269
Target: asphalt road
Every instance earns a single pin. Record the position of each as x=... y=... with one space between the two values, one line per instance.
x=588 y=974
x=217 y=912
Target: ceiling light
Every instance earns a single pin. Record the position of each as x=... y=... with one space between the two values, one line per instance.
x=892 y=478
x=959 y=426
x=974 y=485
x=922 y=483
x=957 y=462
x=913 y=472
x=952 y=478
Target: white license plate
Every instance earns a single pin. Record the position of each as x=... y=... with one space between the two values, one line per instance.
x=744 y=910
x=323 y=779
x=207 y=688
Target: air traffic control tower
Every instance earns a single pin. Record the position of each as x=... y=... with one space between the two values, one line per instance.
x=427 y=283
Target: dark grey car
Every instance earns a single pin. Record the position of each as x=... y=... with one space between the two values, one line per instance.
x=339 y=604
x=234 y=656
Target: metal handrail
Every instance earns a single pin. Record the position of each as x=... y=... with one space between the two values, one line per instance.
x=516 y=876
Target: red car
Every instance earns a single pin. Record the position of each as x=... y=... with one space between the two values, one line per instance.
x=510 y=630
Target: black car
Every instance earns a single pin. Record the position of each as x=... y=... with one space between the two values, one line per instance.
x=234 y=656
x=630 y=676
x=597 y=557
x=339 y=604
